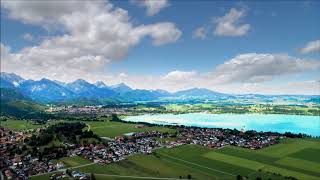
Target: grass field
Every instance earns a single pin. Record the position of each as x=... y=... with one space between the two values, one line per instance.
x=72 y=161
x=292 y=157
x=111 y=129
x=226 y=163
x=105 y=128
x=19 y=124
x=24 y=124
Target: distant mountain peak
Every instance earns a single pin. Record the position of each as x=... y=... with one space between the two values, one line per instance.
x=100 y=84
x=198 y=92
x=45 y=80
x=11 y=79
x=121 y=87
x=81 y=81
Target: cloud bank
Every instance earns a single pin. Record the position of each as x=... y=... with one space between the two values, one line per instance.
x=94 y=34
x=254 y=68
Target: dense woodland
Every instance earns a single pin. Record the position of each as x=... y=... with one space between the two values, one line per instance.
x=64 y=132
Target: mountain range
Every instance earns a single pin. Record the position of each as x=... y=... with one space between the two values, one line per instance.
x=46 y=90
x=53 y=91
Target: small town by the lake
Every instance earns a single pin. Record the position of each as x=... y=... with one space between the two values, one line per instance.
x=160 y=90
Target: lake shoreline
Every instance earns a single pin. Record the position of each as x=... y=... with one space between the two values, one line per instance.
x=280 y=123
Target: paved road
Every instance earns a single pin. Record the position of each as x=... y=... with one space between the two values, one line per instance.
x=89 y=127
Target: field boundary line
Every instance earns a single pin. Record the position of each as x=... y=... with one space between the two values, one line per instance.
x=200 y=170
x=199 y=165
x=137 y=177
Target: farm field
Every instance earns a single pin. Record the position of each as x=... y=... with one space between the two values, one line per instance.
x=72 y=161
x=292 y=157
x=111 y=129
x=104 y=128
x=19 y=124
x=24 y=124
x=226 y=163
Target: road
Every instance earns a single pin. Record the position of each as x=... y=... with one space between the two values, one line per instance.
x=60 y=170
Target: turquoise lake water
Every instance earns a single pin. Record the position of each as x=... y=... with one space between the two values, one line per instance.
x=260 y=122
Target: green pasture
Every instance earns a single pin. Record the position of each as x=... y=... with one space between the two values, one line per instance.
x=226 y=163
x=111 y=129
x=73 y=161
x=19 y=124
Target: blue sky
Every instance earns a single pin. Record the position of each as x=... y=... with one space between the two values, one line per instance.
x=279 y=29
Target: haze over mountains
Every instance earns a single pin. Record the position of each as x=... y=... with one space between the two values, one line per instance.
x=46 y=90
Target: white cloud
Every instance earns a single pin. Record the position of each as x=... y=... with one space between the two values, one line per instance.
x=123 y=75
x=311 y=87
x=310 y=47
x=162 y=33
x=27 y=37
x=254 y=67
x=44 y=13
x=200 y=33
x=95 y=34
x=229 y=25
x=153 y=6
x=177 y=76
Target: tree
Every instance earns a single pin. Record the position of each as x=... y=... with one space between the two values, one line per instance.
x=92 y=177
x=115 y=118
x=239 y=177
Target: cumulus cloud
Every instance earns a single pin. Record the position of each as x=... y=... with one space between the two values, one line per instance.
x=162 y=33
x=229 y=24
x=153 y=6
x=311 y=87
x=95 y=34
x=27 y=37
x=310 y=47
x=254 y=68
x=200 y=33
x=177 y=76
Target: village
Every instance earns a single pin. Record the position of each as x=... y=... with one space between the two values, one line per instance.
x=23 y=166
x=101 y=110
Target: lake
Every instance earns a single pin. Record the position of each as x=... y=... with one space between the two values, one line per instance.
x=260 y=122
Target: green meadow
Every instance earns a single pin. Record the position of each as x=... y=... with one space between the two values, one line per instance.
x=104 y=128
x=298 y=158
x=111 y=129
x=19 y=124
x=226 y=163
x=72 y=161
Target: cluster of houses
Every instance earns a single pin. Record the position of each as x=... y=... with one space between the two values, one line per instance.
x=70 y=174
x=216 y=138
x=14 y=163
x=113 y=150
x=86 y=110
x=9 y=161
x=120 y=147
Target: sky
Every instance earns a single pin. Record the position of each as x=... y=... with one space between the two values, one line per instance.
x=227 y=46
